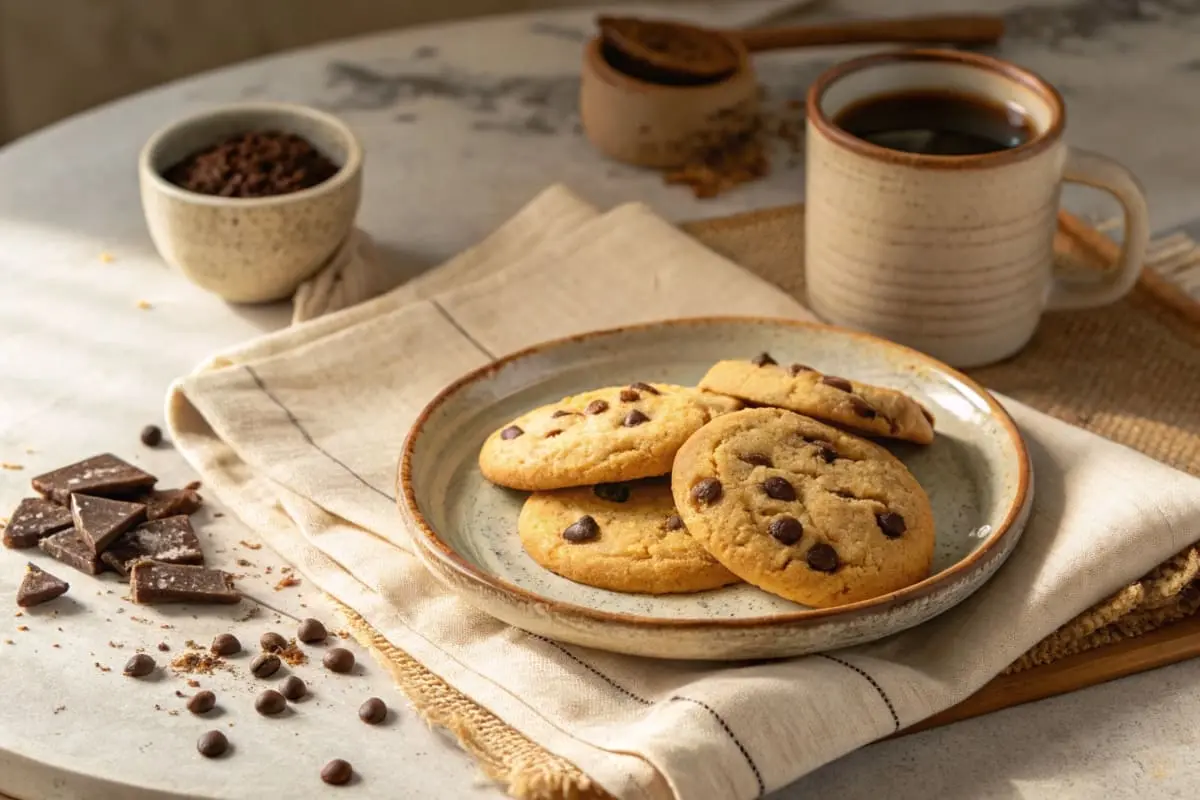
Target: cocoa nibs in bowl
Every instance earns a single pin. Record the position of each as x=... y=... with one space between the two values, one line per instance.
x=253 y=164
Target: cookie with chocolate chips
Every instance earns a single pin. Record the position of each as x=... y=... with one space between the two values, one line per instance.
x=631 y=540
x=802 y=509
x=619 y=433
x=858 y=407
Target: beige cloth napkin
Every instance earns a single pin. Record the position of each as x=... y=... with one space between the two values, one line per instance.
x=350 y=276
x=299 y=433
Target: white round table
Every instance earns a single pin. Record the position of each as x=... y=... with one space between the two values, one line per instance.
x=462 y=124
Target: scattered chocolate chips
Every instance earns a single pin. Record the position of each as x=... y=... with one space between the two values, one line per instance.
x=778 y=488
x=674 y=523
x=265 y=665
x=104 y=475
x=634 y=418
x=827 y=452
x=269 y=702
x=202 y=702
x=339 y=659
x=583 y=529
x=707 y=491
x=212 y=744
x=511 y=432
x=373 y=711
x=151 y=582
x=337 y=772
x=891 y=523
x=822 y=558
x=151 y=436
x=272 y=642
x=310 y=631
x=837 y=383
x=225 y=644
x=596 y=407
x=763 y=359
x=612 y=492
x=292 y=688
x=796 y=369
x=253 y=164
x=139 y=666
x=644 y=387
x=34 y=519
x=786 y=530
x=552 y=433
x=630 y=396
x=39 y=586
x=862 y=408
x=757 y=459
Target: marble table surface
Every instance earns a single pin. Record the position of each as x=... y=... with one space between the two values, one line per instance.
x=462 y=124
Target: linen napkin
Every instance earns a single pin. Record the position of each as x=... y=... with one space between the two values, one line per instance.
x=299 y=433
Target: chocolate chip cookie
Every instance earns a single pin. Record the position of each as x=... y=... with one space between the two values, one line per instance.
x=619 y=433
x=859 y=407
x=803 y=510
x=625 y=537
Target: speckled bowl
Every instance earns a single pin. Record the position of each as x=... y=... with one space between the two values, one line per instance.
x=250 y=250
x=977 y=474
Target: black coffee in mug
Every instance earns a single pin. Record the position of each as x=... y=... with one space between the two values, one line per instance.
x=937 y=123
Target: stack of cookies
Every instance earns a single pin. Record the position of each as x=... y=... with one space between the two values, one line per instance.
x=762 y=473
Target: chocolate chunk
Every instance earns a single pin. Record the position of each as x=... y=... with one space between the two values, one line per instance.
x=629 y=396
x=169 y=502
x=674 y=523
x=827 y=452
x=763 y=359
x=707 y=491
x=72 y=549
x=168 y=541
x=264 y=665
x=612 y=492
x=272 y=642
x=596 y=407
x=891 y=523
x=310 y=631
x=39 y=586
x=786 y=530
x=796 y=369
x=822 y=558
x=34 y=519
x=202 y=702
x=644 y=387
x=269 y=703
x=634 y=418
x=582 y=530
x=339 y=659
x=373 y=712
x=511 y=432
x=104 y=475
x=292 y=688
x=778 y=488
x=151 y=582
x=101 y=520
x=139 y=666
x=837 y=383
x=151 y=436
x=225 y=644
x=337 y=772
x=563 y=413
x=553 y=433
x=862 y=408
x=212 y=744
x=757 y=459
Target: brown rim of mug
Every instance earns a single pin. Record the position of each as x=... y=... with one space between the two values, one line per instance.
x=864 y=148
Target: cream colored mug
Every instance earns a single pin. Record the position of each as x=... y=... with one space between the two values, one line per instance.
x=950 y=254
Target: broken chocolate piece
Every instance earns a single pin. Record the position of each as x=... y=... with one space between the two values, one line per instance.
x=151 y=582
x=169 y=502
x=100 y=520
x=104 y=475
x=35 y=519
x=39 y=586
x=72 y=549
x=168 y=541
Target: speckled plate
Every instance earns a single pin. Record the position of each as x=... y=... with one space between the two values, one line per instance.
x=977 y=474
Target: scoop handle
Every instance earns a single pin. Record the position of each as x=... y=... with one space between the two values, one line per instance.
x=943 y=29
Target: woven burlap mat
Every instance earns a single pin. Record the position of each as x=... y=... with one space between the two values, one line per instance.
x=1127 y=372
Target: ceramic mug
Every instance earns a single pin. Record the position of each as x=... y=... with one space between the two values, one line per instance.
x=950 y=254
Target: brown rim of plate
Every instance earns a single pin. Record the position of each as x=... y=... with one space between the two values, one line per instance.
x=920 y=589
x=861 y=147
x=594 y=61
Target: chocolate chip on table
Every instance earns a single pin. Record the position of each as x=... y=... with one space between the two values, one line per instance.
x=33 y=520
x=796 y=369
x=373 y=711
x=778 y=488
x=202 y=702
x=337 y=772
x=891 y=523
x=225 y=644
x=212 y=744
x=139 y=666
x=862 y=408
x=151 y=436
x=707 y=491
x=674 y=523
x=269 y=702
x=629 y=396
x=822 y=558
x=837 y=383
x=264 y=665
x=596 y=407
x=272 y=642
x=339 y=659
x=786 y=530
x=310 y=631
x=763 y=359
x=634 y=418
x=292 y=688
x=511 y=432
x=612 y=492
x=644 y=387
x=39 y=586
x=253 y=164
x=583 y=529
x=757 y=459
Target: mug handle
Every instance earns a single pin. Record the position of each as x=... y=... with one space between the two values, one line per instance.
x=1093 y=169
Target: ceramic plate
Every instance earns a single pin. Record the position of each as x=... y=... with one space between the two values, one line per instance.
x=976 y=473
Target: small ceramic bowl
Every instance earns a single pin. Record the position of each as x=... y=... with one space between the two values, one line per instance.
x=250 y=250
